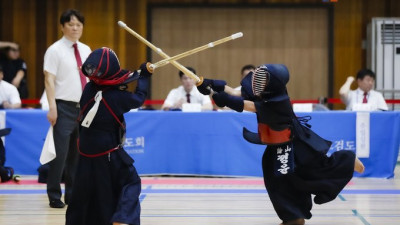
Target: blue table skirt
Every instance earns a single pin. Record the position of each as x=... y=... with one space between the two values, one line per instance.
x=207 y=143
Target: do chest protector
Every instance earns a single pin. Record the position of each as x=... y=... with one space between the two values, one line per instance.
x=268 y=136
x=87 y=121
x=296 y=130
x=274 y=121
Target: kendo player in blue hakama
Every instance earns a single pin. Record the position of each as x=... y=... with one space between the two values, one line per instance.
x=107 y=186
x=295 y=165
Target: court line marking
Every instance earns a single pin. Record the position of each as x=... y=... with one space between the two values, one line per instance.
x=141 y=198
x=355 y=212
x=150 y=190
x=173 y=181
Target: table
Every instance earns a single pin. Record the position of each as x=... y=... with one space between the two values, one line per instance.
x=207 y=143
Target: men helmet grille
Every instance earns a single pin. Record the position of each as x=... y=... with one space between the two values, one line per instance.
x=260 y=80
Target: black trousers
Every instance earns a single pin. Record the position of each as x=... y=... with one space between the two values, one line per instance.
x=65 y=133
x=106 y=190
x=314 y=174
x=2 y=153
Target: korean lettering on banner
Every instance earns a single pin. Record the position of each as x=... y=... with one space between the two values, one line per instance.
x=134 y=145
x=363 y=134
x=283 y=158
x=342 y=145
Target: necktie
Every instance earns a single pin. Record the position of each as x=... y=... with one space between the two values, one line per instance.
x=188 y=98
x=79 y=62
x=365 y=100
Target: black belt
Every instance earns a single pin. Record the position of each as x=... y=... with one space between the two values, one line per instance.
x=69 y=103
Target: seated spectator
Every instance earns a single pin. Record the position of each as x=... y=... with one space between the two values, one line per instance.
x=186 y=93
x=364 y=94
x=14 y=69
x=9 y=96
x=245 y=70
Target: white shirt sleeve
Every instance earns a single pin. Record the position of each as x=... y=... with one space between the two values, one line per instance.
x=349 y=97
x=171 y=98
x=14 y=96
x=9 y=93
x=51 y=59
x=381 y=103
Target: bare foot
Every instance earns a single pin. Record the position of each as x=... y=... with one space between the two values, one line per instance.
x=358 y=166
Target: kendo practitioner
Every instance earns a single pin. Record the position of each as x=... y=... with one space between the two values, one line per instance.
x=295 y=165
x=107 y=186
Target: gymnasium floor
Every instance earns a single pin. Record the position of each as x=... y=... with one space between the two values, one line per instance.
x=215 y=201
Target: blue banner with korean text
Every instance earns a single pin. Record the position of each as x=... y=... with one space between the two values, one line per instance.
x=208 y=143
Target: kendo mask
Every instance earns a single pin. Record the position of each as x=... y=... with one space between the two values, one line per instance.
x=267 y=82
x=103 y=68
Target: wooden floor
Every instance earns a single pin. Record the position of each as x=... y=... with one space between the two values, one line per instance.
x=212 y=201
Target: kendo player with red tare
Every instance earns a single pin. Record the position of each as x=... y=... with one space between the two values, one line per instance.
x=107 y=186
x=295 y=165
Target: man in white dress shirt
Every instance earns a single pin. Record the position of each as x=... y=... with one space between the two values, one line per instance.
x=64 y=83
x=364 y=94
x=9 y=96
x=186 y=93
